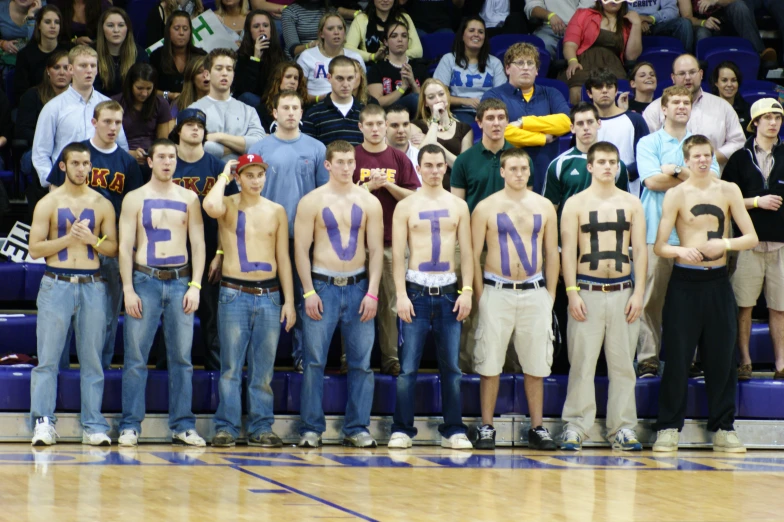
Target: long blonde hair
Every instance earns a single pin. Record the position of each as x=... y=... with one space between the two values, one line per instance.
x=127 y=49
x=244 y=8
x=362 y=94
x=188 y=95
x=423 y=111
x=323 y=21
x=169 y=6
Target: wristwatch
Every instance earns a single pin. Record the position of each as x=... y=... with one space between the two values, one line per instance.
x=166 y=95
x=677 y=171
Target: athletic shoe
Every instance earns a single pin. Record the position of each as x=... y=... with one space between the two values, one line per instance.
x=362 y=439
x=188 y=438
x=44 y=434
x=309 y=439
x=458 y=441
x=265 y=439
x=539 y=439
x=779 y=374
x=223 y=439
x=298 y=366
x=647 y=368
x=486 y=438
x=626 y=440
x=393 y=369
x=728 y=441
x=695 y=370
x=571 y=441
x=744 y=372
x=96 y=439
x=666 y=440
x=128 y=438
x=399 y=440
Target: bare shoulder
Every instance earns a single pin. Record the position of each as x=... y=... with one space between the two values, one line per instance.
x=630 y=199
x=187 y=195
x=486 y=204
x=729 y=189
x=460 y=203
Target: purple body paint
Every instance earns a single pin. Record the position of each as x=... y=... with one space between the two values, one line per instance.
x=159 y=235
x=507 y=229
x=245 y=265
x=65 y=216
x=333 y=230
x=434 y=265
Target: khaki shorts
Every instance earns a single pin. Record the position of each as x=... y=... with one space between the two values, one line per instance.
x=755 y=268
x=525 y=313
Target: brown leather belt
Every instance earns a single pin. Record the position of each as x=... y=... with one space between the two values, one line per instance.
x=95 y=278
x=599 y=287
x=254 y=290
x=163 y=274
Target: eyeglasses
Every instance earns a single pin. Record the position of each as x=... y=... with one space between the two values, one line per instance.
x=521 y=64
x=684 y=74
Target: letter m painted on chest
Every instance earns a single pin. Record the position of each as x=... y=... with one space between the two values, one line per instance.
x=64 y=217
x=507 y=230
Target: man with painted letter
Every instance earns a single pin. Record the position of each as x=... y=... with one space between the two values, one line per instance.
x=430 y=223
x=157 y=223
x=72 y=226
x=256 y=272
x=339 y=220
x=513 y=295
x=700 y=307
x=598 y=226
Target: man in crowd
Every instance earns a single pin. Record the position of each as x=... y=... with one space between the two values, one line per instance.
x=336 y=117
x=662 y=18
x=399 y=134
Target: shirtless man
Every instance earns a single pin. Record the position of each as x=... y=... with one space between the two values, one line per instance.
x=513 y=297
x=335 y=219
x=254 y=233
x=700 y=308
x=604 y=304
x=157 y=222
x=430 y=223
x=72 y=226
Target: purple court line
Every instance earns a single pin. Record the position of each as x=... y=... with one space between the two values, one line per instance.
x=269 y=491
x=308 y=495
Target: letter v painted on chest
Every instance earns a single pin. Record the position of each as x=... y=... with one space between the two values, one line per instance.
x=333 y=231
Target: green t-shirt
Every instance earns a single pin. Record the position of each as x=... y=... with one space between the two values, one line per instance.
x=478 y=172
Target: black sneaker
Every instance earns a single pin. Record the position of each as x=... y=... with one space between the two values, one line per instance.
x=539 y=439
x=695 y=370
x=486 y=439
x=223 y=439
x=647 y=368
x=265 y=439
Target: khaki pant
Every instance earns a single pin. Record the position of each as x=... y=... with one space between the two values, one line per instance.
x=605 y=323
x=755 y=269
x=468 y=333
x=387 y=313
x=659 y=271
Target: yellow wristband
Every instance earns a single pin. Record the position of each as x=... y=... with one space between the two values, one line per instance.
x=570 y=288
x=400 y=89
x=226 y=177
x=283 y=8
x=570 y=59
x=550 y=16
x=195 y=284
x=465 y=289
x=255 y=59
x=99 y=242
x=219 y=252
x=308 y=294
x=756 y=202
x=727 y=243
x=317 y=98
x=702 y=24
x=373 y=57
x=654 y=19
x=356 y=13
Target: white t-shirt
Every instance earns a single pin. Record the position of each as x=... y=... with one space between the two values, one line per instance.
x=413 y=155
x=494 y=12
x=316 y=68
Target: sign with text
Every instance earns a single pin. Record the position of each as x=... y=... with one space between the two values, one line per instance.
x=208 y=33
x=16 y=247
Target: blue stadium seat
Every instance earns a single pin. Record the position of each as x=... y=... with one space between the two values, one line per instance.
x=18 y=334
x=760 y=344
x=565 y=143
x=647 y=394
x=279 y=384
x=12 y=281
x=554 y=395
x=436 y=45
x=661 y=84
x=697 y=401
x=477 y=131
x=15 y=388
x=662 y=42
x=761 y=399
x=333 y=400
x=427 y=395
x=33 y=274
x=472 y=407
x=500 y=43
x=556 y=84
x=661 y=59
x=708 y=46
x=69 y=393
x=139 y=12
x=736 y=50
x=754 y=90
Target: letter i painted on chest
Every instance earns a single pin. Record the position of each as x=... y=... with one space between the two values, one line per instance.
x=333 y=230
x=434 y=265
x=159 y=235
x=506 y=229
x=245 y=265
x=65 y=216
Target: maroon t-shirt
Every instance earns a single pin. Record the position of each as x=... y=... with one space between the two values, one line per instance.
x=400 y=171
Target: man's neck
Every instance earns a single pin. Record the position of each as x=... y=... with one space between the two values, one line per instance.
x=402 y=148
x=765 y=143
x=159 y=186
x=676 y=130
x=339 y=188
x=492 y=145
x=100 y=144
x=609 y=111
x=190 y=153
x=219 y=96
x=284 y=134
x=340 y=101
x=432 y=192
x=369 y=147
x=602 y=189
x=700 y=180
x=515 y=194
x=582 y=148
x=75 y=190
x=526 y=89
x=248 y=200
x=47 y=45
x=84 y=91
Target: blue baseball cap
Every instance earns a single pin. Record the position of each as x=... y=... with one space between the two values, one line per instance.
x=183 y=117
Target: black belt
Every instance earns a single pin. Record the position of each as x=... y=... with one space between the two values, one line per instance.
x=163 y=274
x=432 y=290
x=95 y=278
x=533 y=285
x=600 y=287
x=255 y=290
x=340 y=280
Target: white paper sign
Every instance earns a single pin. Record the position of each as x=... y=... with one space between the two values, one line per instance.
x=208 y=33
x=16 y=244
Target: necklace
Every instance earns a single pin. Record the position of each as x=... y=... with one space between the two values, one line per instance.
x=448 y=126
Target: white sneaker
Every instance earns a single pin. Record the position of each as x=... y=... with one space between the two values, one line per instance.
x=128 y=438
x=399 y=440
x=728 y=441
x=457 y=441
x=96 y=439
x=44 y=434
x=188 y=438
x=666 y=440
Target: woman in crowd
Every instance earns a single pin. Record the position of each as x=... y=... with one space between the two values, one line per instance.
x=117 y=51
x=470 y=70
x=725 y=82
x=259 y=54
x=360 y=91
x=602 y=36
x=642 y=80
x=315 y=61
x=367 y=31
x=170 y=59
x=287 y=76
x=156 y=20
x=195 y=86
x=396 y=79
x=17 y=23
x=233 y=14
x=300 y=22
x=48 y=38
x=80 y=18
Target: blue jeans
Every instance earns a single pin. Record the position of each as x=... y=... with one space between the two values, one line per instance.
x=248 y=325
x=297 y=334
x=341 y=306
x=248 y=98
x=110 y=272
x=737 y=19
x=160 y=299
x=410 y=102
x=61 y=304
x=432 y=313
x=775 y=8
x=679 y=28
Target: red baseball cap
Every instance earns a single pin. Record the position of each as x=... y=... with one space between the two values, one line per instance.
x=250 y=159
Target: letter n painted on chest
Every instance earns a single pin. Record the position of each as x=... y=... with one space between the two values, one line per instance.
x=333 y=230
x=507 y=230
x=434 y=265
x=242 y=249
x=159 y=235
x=64 y=217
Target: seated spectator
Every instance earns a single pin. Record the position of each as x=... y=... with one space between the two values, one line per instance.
x=503 y=17
x=81 y=22
x=366 y=34
x=438 y=125
x=397 y=79
x=170 y=59
x=360 y=91
x=48 y=38
x=233 y=13
x=146 y=115
x=275 y=8
x=196 y=85
x=432 y=16
x=117 y=51
x=17 y=23
x=315 y=61
x=725 y=83
x=259 y=54
x=661 y=18
x=469 y=70
x=232 y=126
x=602 y=36
x=642 y=80
x=399 y=134
x=156 y=20
x=300 y=23
x=774 y=8
x=287 y=76
x=554 y=15
x=728 y=18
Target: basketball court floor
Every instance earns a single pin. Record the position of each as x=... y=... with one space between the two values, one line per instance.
x=161 y=482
